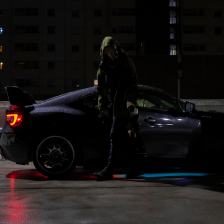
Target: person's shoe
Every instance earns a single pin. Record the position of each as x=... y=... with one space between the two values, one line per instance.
x=134 y=173
x=104 y=174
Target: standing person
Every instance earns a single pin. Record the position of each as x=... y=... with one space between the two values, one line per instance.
x=117 y=87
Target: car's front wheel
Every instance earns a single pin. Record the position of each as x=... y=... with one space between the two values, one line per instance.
x=54 y=156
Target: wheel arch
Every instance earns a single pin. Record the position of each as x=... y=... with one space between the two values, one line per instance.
x=53 y=129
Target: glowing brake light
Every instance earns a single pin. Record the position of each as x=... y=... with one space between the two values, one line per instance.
x=14 y=108
x=14 y=119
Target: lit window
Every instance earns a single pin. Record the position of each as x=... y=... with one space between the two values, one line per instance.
x=0 y=48
x=173 y=50
x=1 y=65
x=173 y=3
x=1 y=30
x=172 y=33
x=173 y=19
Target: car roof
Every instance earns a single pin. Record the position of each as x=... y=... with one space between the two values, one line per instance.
x=68 y=98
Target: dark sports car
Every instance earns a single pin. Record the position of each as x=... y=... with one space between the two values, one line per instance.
x=69 y=130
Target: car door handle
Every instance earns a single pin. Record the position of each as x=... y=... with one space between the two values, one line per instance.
x=150 y=120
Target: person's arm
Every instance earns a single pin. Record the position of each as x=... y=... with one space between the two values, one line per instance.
x=131 y=84
x=102 y=91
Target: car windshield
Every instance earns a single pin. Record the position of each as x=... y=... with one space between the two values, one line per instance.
x=158 y=100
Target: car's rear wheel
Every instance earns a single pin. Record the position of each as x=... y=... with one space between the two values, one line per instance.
x=54 y=156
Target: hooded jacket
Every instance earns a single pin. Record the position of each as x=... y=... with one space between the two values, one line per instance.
x=127 y=88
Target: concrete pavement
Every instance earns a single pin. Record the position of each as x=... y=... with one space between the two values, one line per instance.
x=28 y=197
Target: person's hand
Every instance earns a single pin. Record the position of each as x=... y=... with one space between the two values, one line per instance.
x=107 y=113
x=133 y=105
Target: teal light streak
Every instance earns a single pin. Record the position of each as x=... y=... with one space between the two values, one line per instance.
x=175 y=174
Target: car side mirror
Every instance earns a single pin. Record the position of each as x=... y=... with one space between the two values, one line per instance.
x=189 y=106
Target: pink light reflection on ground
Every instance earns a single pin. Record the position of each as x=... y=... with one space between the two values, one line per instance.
x=16 y=205
x=119 y=176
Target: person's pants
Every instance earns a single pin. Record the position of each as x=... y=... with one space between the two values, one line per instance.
x=118 y=133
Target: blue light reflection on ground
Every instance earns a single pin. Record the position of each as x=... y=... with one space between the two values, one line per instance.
x=147 y=175
x=184 y=180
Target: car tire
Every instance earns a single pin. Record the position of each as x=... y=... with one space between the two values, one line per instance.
x=54 y=156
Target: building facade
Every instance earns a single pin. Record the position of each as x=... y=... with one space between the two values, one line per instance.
x=158 y=27
x=52 y=47
x=202 y=27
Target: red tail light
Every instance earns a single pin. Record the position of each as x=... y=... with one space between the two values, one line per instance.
x=14 y=119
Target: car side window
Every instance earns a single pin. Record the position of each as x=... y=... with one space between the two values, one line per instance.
x=145 y=103
x=158 y=100
x=90 y=102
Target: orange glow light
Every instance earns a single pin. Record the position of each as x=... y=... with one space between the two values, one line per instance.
x=14 y=119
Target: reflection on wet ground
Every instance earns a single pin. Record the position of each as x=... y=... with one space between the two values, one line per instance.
x=161 y=195
x=178 y=176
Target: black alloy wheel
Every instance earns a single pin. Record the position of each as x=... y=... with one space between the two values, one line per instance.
x=54 y=157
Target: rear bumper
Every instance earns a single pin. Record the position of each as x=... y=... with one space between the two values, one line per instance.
x=13 y=148
x=1 y=153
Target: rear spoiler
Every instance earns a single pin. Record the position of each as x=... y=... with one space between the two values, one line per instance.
x=18 y=97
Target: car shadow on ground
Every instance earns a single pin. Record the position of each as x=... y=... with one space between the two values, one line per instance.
x=210 y=179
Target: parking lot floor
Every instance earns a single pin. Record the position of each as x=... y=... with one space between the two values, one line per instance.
x=160 y=196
